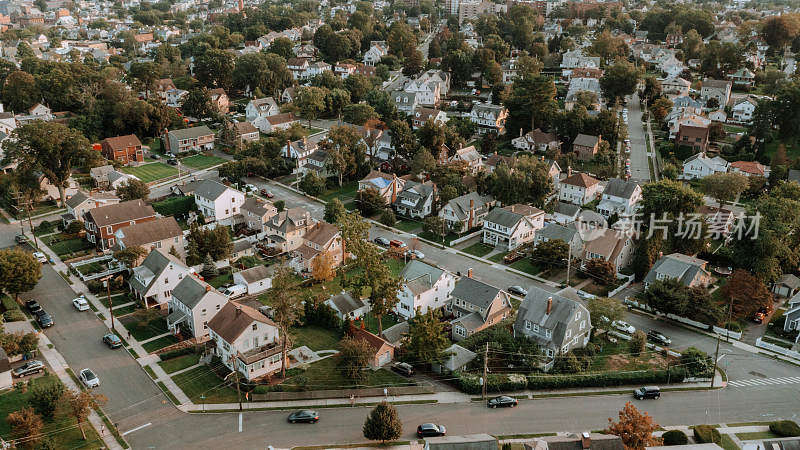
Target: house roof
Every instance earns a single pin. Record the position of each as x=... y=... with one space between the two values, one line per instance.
x=475 y=292
x=679 y=266
x=417 y=192
x=245 y=128
x=287 y=220
x=148 y=232
x=420 y=277
x=608 y=243
x=263 y=103
x=190 y=291
x=123 y=142
x=585 y=140
x=321 y=233
x=620 y=188
x=395 y=333
x=374 y=341
x=471 y=321
x=716 y=84
x=256 y=273
x=234 y=318
x=190 y=133
x=790 y=281
x=534 y=310
x=573 y=442
x=693 y=131
x=151 y=268
x=345 y=303
x=553 y=231
x=567 y=209
x=210 y=189
x=751 y=167
x=458 y=357
x=101 y=171
x=256 y=206
x=120 y=212
x=540 y=137
x=460 y=205
x=278 y=119
x=510 y=215
x=580 y=180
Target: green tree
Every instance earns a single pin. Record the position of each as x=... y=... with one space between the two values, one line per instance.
x=26 y=427
x=130 y=255
x=601 y=270
x=413 y=64
x=724 y=187
x=426 y=339
x=201 y=242
x=312 y=184
x=696 y=362
x=604 y=309
x=45 y=397
x=638 y=343
x=197 y=103
x=334 y=210
x=669 y=197
x=370 y=202
x=358 y=113
x=20 y=91
x=383 y=423
x=215 y=68
x=266 y=72
x=746 y=294
x=403 y=140
x=282 y=47
x=619 y=80
x=209 y=269
x=531 y=102
x=337 y=100
x=355 y=232
x=553 y=252
x=286 y=306
x=377 y=279
x=21 y=271
x=81 y=404
x=133 y=189
x=310 y=101
x=354 y=358
x=435 y=225
x=358 y=85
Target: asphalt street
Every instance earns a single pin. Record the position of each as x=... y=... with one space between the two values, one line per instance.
x=640 y=169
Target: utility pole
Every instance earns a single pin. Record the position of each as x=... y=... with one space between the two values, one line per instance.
x=569 y=260
x=110 y=302
x=716 y=357
x=26 y=205
x=236 y=373
x=485 y=368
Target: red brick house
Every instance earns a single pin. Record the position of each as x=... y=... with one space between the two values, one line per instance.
x=586 y=146
x=123 y=148
x=695 y=137
x=101 y=223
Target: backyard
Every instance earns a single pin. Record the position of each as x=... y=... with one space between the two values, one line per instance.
x=67 y=246
x=151 y=172
x=200 y=162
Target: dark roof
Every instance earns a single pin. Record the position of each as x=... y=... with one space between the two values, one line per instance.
x=345 y=303
x=190 y=291
x=585 y=140
x=256 y=273
x=188 y=133
x=475 y=292
x=233 y=319
x=151 y=231
x=534 y=310
x=374 y=341
x=620 y=188
x=209 y=189
x=580 y=179
x=152 y=266
x=573 y=442
x=510 y=215
x=121 y=212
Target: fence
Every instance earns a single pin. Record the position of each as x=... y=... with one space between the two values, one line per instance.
x=623 y=285
x=342 y=393
x=465 y=237
x=728 y=333
x=113 y=267
x=693 y=323
x=777 y=349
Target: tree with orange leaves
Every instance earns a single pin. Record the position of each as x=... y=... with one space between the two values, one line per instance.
x=634 y=428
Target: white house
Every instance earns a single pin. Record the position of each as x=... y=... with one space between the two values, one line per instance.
x=742 y=111
x=376 y=51
x=257 y=279
x=578 y=189
x=156 y=277
x=261 y=107
x=700 y=166
x=416 y=199
x=246 y=340
x=489 y=118
x=466 y=212
x=719 y=89
x=619 y=197
x=509 y=227
x=346 y=306
x=424 y=287
x=193 y=304
x=217 y=201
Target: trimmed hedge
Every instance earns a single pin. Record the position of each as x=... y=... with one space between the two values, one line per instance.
x=176 y=353
x=785 y=428
x=675 y=437
x=175 y=206
x=706 y=434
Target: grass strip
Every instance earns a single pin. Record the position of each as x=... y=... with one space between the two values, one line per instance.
x=114 y=431
x=287 y=408
x=168 y=393
x=150 y=372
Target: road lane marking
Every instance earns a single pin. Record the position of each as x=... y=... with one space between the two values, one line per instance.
x=764 y=381
x=240 y=422
x=137 y=428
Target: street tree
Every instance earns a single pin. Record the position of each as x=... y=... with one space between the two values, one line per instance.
x=26 y=427
x=21 y=271
x=426 y=339
x=746 y=294
x=725 y=187
x=312 y=184
x=45 y=397
x=133 y=189
x=81 y=403
x=601 y=270
x=435 y=225
x=619 y=81
x=311 y=102
x=553 y=252
x=638 y=343
x=602 y=309
x=370 y=202
x=286 y=306
x=354 y=358
x=358 y=113
x=383 y=423
x=634 y=428
x=334 y=209
x=51 y=148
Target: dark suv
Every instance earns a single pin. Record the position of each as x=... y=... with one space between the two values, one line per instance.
x=658 y=338
x=647 y=392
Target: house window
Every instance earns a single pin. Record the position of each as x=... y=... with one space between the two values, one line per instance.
x=166 y=280
x=583 y=324
x=255 y=327
x=218 y=307
x=548 y=333
x=528 y=325
x=568 y=334
x=577 y=316
x=536 y=327
x=205 y=325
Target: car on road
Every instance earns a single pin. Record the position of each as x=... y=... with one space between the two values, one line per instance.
x=396 y=243
x=502 y=401
x=304 y=415
x=251 y=187
x=80 y=303
x=518 y=290
x=29 y=368
x=33 y=306
x=89 y=378
x=647 y=392
x=45 y=320
x=415 y=254
x=112 y=340
x=20 y=238
x=585 y=295
x=172 y=162
x=431 y=430
x=41 y=257
x=658 y=338
x=382 y=241
x=623 y=326
x=404 y=369
x=267 y=193
x=760 y=315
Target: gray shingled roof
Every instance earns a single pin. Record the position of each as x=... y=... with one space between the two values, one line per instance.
x=190 y=133
x=504 y=217
x=460 y=205
x=534 y=310
x=620 y=188
x=345 y=303
x=154 y=263
x=209 y=189
x=475 y=292
x=420 y=276
x=585 y=140
x=256 y=273
x=553 y=231
x=190 y=291
x=677 y=266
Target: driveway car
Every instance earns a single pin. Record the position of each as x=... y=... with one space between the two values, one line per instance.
x=381 y=241
x=304 y=415
x=20 y=238
x=416 y=254
x=33 y=306
x=404 y=369
x=41 y=257
x=647 y=392
x=623 y=326
x=29 y=368
x=658 y=338
x=89 y=378
x=430 y=430
x=80 y=303
x=112 y=340
x=172 y=162
x=502 y=401
x=45 y=320
x=518 y=290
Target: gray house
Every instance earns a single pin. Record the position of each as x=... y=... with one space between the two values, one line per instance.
x=553 y=321
x=416 y=199
x=346 y=306
x=569 y=234
x=792 y=314
x=787 y=286
x=476 y=306
x=464 y=213
x=688 y=270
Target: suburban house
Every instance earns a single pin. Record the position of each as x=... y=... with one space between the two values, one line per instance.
x=489 y=118
x=718 y=116
x=217 y=201
x=192 y=305
x=345 y=306
x=787 y=286
x=585 y=147
x=124 y=149
x=416 y=199
x=322 y=238
x=220 y=100
x=700 y=166
x=578 y=189
x=424 y=287
x=256 y=213
x=750 y=169
x=161 y=233
x=422 y=115
x=286 y=229
x=376 y=51
x=155 y=278
x=464 y=213
x=692 y=136
x=381 y=351
x=536 y=141
x=476 y=306
x=99 y=175
x=257 y=279
x=261 y=107
x=743 y=110
x=620 y=197
x=511 y=226
x=469 y=157
x=50 y=190
x=246 y=340
x=792 y=314
x=299 y=150
x=271 y=124
x=102 y=223
x=742 y=77
x=718 y=89
x=675 y=86
x=245 y=133
x=406 y=102
x=609 y=245
x=567 y=233
x=81 y=202
x=688 y=270
x=387 y=185
x=565 y=213
x=556 y=323
x=195 y=138
x=596 y=441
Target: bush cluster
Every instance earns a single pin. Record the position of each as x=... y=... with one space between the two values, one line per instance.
x=785 y=428
x=706 y=434
x=675 y=437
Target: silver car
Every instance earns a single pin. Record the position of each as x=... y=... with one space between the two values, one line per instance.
x=89 y=378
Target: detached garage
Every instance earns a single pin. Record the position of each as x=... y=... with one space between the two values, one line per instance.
x=257 y=279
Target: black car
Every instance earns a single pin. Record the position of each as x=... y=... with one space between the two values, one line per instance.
x=502 y=401
x=45 y=320
x=29 y=368
x=112 y=340
x=430 y=430
x=383 y=242
x=304 y=415
x=172 y=162
x=404 y=369
x=647 y=392
x=658 y=338
x=33 y=306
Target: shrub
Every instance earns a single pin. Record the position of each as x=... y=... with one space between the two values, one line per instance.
x=704 y=434
x=176 y=353
x=13 y=315
x=175 y=206
x=785 y=428
x=388 y=218
x=73 y=228
x=675 y=437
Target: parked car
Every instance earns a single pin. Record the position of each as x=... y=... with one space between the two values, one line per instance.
x=381 y=241
x=155 y=156
x=45 y=320
x=89 y=378
x=33 y=306
x=658 y=338
x=396 y=243
x=518 y=290
x=267 y=193
x=404 y=369
x=235 y=290
x=430 y=430
x=304 y=415
x=415 y=254
x=251 y=187
x=20 y=238
x=172 y=162
x=29 y=368
x=502 y=401
x=80 y=304
x=623 y=326
x=41 y=257
x=112 y=340
x=760 y=315
x=513 y=257
x=647 y=392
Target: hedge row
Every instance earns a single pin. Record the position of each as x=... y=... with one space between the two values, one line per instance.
x=179 y=352
x=470 y=383
x=706 y=434
x=175 y=206
x=785 y=428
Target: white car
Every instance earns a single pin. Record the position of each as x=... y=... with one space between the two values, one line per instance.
x=251 y=187
x=416 y=254
x=80 y=304
x=41 y=257
x=623 y=326
x=89 y=378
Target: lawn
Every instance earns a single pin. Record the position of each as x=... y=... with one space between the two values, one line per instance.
x=792 y=151
x=438 y=239
x=371 y=322
x=312 y=130
x=407 y=225
x=144 y=325
x=124 y=311
x=325 y=375
x=527 y=266
x=151 y=172
x=179 y=363
x=478 y=249
x=757 y=436
x=498 y=257
x=225 y=277
x=68 y=246
x=346 y=192
x=203 y=381
x=202 y=161
x=160 y=343
x=316 y=338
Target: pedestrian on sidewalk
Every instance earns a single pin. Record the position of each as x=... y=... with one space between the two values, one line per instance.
x=103 y=430
x=352 y=400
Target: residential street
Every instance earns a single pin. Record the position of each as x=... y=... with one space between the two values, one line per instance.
x=640 y=170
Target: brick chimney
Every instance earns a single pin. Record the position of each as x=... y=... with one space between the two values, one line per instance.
x=569 y=171
x=471 y=212
x=469 y=272
x=208 y=287
x=394 y=189
x=586 y=441
x=549 y=305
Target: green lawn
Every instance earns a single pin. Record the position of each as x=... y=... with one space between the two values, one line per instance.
x=316 y=338
x=371 y=322
x=160 y=343
x=727 y=443
x=203 y=381
x=407 y=225
x=395 y=265
x=202 y=161
x=757 y=436
x=792 y=151
x=346 y=192
x=143 y=327
x=527 y=266
x=325 y=375
x=179 y=363
x=151 y=172
x=67 y=246
x=312 y=130
x=498 y=257
x=225 y=277
x=124 y=311
x=478 y=249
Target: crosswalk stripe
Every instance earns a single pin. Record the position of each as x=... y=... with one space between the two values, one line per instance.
x=764 y=381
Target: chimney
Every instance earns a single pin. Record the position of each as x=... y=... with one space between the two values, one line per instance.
x=394 y=189
x=569 y=171
x=208 y=287
x=469 y=272
x=520 y=131
x=238 y=311
x=305 y=143
x=586 y=441
x=471 y=212
x=549 y=305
